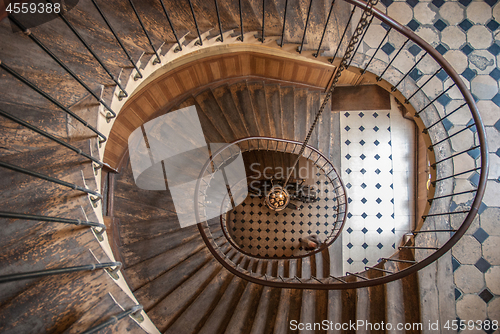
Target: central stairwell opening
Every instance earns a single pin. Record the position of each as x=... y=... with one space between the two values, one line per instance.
x=120 y=251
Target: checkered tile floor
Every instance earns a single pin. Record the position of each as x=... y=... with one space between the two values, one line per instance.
x=266 y=233
x=376 y=169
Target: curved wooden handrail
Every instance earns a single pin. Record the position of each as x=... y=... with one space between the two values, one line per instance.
x=324 y=245
x=342 y=284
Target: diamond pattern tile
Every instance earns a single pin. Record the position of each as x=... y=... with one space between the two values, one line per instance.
x=416 y=74
x=486 y=295
x=465 y=25
x=455 y=263
x=494 y=49
x=482 y=265
x=388 y=48
x=441 y=49
x=413 y=25
x=414 y=49
x=492 y=25
x=496 y=99
x=469 y=74
x=438 y=3
x=440 y=25
x=481 y=235
x=467 y=49
x=495 y=74
x=491 y=2
x=412 y=3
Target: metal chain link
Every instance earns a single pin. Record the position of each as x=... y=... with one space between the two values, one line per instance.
x=363 y=22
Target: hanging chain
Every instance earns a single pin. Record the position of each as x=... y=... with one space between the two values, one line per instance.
x=362 y=24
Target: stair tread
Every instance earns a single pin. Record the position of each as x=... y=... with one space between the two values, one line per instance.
x=208 y=104
x=288 y=110
x=245 y=108
x=147 y=271
x=57 y=294
x=193 y=318
x=216 y=324
x=211 y=132
x=241 y=320
x=273 y=102
x=141 y=251
x=231 y=112
x=173 y=305
x=301 y=114
x=103 y=310
x=67 y=206
x=258 y=95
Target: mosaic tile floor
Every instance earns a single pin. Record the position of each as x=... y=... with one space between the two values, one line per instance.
x=260 y=231
x=377 y=169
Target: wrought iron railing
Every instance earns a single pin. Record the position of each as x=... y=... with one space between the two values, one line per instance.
x=134 y=312
x=443 y=149
x=436 y=230
x=274 y=145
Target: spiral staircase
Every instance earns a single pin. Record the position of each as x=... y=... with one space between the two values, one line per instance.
x=85 y=250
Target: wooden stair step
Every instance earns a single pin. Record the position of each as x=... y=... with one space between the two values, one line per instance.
x=230 y=109
x=146 y=271
x=172 y=306
x=258 y=96
x=69 y=296
x=288 y=110
x=362 y=308
x=244 y=313
x=46 y=251
x=252 y=21
x=148 y=229
x=220 y=317
x=129 y=211
x=211 y=132
x=295 y=22
x=208 y=104
x=160 y=199
x=193 y=318
x=142 y=251
x=67 y=206
x=17 y=138
x=245 y=108
x=20 y=187
x=301 y=114
x=273 y=102
x=159 y=287
x=55 y=160
x=308 y=309
x=334 y=308
x=102 y=311
x=266 y=309
x=282 y=323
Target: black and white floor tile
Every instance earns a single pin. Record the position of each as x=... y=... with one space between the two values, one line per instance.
x=266 y=233
x=377 y=169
